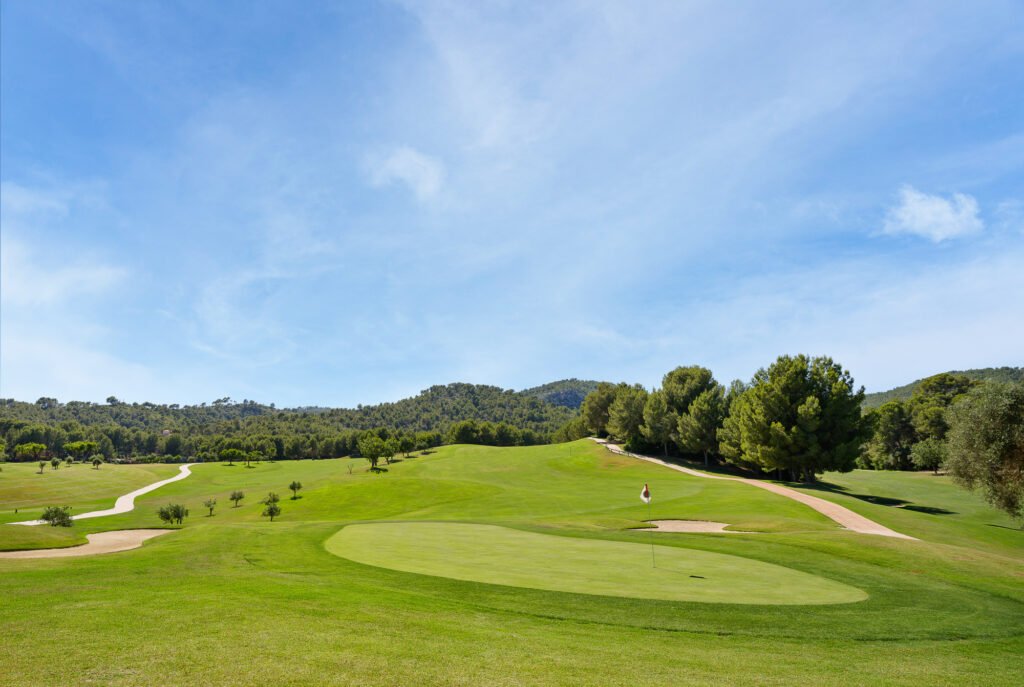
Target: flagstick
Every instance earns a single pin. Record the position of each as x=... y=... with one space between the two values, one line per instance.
x=652 y=534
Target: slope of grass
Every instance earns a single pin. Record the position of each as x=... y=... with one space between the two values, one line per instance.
x=234 y=599
x=22 y=488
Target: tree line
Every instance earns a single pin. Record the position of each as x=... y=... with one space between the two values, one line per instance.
x=802 y=416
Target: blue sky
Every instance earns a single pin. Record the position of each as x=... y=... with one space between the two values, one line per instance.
x=341 y=203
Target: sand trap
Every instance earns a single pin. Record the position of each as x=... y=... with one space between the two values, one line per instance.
x=124 y=503
x=101 y=542
x=691 y=526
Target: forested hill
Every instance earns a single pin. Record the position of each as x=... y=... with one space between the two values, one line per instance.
x=434 y=409
x=566 y=392
x=142 y=416
x=903 y=393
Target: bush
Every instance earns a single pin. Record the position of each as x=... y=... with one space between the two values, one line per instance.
x=57 y=516
x=173 y=513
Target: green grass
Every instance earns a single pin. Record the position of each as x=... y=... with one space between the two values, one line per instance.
x=235 y=599
x=498 y=555
x=78 y=485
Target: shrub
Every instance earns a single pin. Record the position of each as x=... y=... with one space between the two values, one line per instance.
x=173 y=513
x=57 y=516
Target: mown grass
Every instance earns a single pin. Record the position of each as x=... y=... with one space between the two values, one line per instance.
x=22 y=487
x=234 y=599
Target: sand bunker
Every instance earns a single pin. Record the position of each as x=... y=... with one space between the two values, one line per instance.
x=101 y=542
x=691 y=526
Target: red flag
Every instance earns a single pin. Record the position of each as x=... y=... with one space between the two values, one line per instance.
x=645 y=495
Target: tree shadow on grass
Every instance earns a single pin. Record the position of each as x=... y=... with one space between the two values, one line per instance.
x=877 y=500
x=931 y=510
x=1006 y=527
x=378 y=470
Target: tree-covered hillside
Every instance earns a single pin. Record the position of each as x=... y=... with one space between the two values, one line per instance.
x=903 y=393
x=456 y=413
x=566 y=392
x=434 y=409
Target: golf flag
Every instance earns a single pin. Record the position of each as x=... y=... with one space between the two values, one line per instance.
x=645 y=495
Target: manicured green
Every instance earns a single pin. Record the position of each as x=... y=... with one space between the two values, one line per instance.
x=498 y=555
x=234 y=599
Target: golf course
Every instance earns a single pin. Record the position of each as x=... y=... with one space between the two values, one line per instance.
x=518 y=565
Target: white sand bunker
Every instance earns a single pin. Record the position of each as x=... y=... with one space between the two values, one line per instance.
x=691 y=526
x=101 y=542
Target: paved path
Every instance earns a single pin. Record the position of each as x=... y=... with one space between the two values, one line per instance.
x=124 y=503
x=844 y=516
x=101 y=542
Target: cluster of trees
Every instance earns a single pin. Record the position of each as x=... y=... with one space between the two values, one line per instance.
x=798 y=417
x=149 y=432
x=911 y=434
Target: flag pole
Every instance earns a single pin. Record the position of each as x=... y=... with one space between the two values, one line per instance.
x=653 y=565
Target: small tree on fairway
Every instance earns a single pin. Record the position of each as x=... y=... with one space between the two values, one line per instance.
x=390 y=449
x=57 y=516
x=237 y=496
x=295 y=486
x=271 y=498
x=42 y=464
x=232 y=454
x=96 y=460
x=273 y=510
x=173 y=513
x=55 y=463
x=210 y=503
x=371 y=448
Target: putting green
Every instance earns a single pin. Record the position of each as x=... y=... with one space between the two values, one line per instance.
x=499 y=555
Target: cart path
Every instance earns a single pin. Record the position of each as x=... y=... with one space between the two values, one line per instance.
x=844 y=516
x=124 y=503
x=101 y=542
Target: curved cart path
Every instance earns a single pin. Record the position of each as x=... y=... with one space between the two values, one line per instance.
x=101 y=542
x=124 y=503
x=844 y=516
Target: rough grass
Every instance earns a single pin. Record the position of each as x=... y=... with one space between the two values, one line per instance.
x=234 y=599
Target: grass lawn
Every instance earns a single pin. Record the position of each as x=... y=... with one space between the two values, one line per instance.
x=78 y=485
x=235 y=599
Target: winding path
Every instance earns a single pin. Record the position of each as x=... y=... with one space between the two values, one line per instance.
x=844 y=516
x=124 y=503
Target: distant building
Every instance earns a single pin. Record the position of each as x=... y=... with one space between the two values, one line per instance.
x=166 y=433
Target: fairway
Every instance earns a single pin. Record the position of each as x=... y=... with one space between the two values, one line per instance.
x=504 y=566
x=499 y=555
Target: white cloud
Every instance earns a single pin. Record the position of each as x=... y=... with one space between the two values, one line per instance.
x=933 y=217
x=423 y=174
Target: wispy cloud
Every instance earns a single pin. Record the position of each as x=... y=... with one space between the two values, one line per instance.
x=423 y=174
x=933 y=217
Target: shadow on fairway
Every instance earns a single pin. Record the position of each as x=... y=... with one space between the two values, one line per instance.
x=877 y=500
